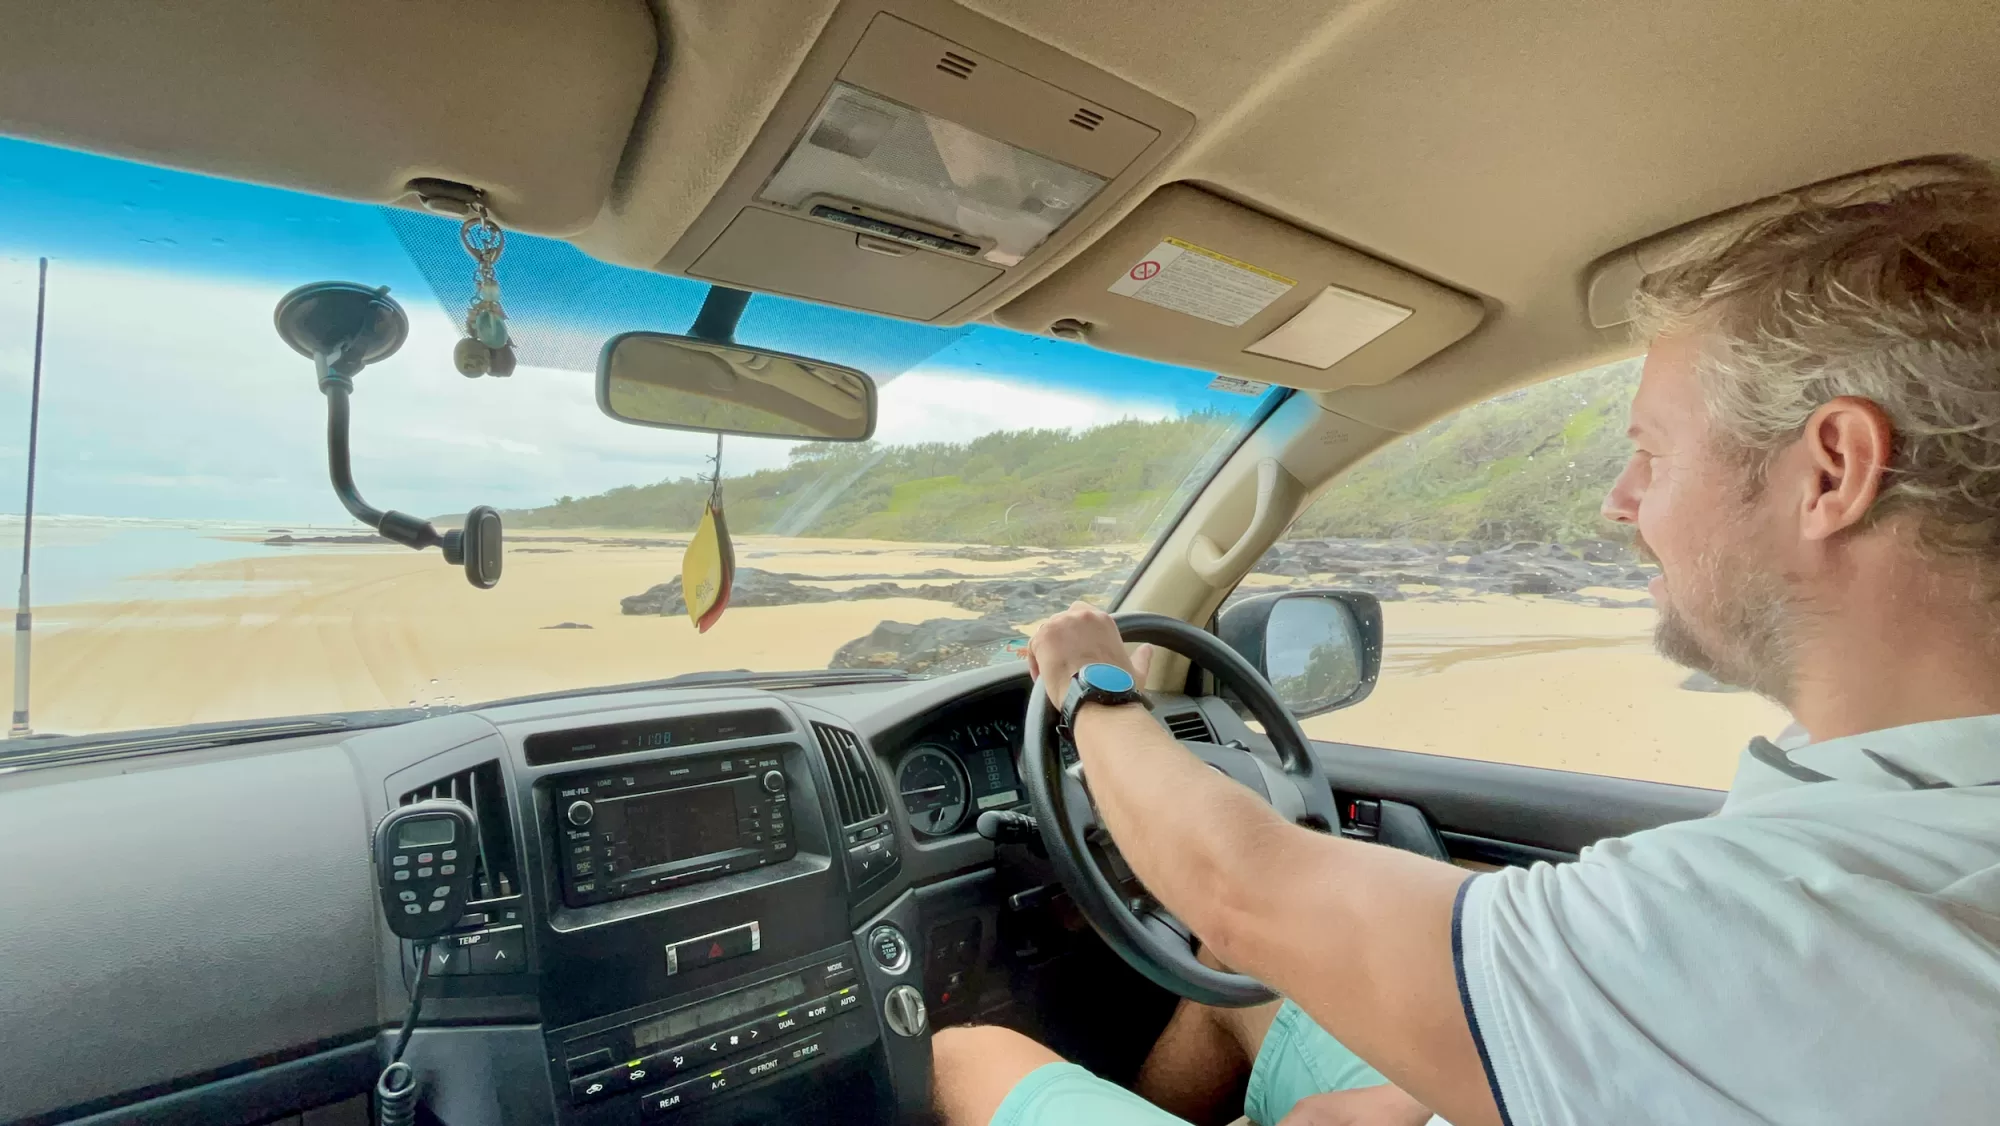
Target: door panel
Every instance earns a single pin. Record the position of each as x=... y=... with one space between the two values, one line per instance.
x=1502 y=814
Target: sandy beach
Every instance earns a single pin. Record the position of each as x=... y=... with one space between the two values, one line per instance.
x=313 y=628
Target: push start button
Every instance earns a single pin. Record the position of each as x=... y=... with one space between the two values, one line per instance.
x=889 y=948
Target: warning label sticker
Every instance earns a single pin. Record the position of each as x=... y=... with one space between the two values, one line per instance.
x=1201 y=283
x=1237 y=386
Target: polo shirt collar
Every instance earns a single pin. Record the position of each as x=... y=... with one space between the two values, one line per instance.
x=1940 y=754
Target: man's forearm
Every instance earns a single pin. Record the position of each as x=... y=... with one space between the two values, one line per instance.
x=1357 y=934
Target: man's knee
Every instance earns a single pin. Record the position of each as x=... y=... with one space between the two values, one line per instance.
x=974 y=1068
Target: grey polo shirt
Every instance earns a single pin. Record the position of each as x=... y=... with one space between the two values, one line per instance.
x=1824 y=950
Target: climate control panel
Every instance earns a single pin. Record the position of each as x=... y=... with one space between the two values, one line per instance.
x=673 y=1057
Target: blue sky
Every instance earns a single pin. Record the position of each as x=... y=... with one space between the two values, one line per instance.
x=166 y=393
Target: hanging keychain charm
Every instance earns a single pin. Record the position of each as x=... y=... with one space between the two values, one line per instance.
x=487 y=349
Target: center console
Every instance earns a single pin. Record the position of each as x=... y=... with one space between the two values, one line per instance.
x=703 y=941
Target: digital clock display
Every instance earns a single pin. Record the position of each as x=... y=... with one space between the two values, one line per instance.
x=545 y=747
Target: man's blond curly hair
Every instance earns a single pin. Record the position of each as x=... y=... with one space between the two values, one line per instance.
x=1894 y=299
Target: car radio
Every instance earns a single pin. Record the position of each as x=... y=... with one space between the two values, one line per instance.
x=638 y=829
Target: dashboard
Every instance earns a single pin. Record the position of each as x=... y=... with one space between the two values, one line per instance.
x=713 y=905
x=961 y=764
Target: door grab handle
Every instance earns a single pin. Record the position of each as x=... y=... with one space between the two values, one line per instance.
x=1277 y=496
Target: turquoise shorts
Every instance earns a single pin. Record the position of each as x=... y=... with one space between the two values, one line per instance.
x=1298 y=1059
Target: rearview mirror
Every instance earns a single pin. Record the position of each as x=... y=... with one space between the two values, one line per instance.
x=1320 y=649
x=688 y=383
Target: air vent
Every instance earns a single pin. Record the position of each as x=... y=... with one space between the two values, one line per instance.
x=1191 y=727
x=956 y=65
x=481 y=789
x=855 y=787
x=1086 y=119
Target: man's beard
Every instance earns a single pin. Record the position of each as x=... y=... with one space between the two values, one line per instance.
x=1735 y=620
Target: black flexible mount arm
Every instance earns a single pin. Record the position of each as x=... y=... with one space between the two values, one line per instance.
x=403 y=528
x=345 y=327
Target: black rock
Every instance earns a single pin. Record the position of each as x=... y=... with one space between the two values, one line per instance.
x=940 y=645
x=568 y=625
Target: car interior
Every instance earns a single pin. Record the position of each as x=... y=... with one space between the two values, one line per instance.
x=1390 y=208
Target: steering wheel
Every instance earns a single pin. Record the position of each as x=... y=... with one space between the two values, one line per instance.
x=1144 y=933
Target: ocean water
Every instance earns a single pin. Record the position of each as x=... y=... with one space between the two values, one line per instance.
x=100 y=559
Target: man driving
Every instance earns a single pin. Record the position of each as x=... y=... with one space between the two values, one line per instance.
x=1816 y=472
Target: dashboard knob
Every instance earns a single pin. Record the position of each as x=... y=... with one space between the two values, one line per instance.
x=580 y=813
x=904 y=1009
x=774 y=781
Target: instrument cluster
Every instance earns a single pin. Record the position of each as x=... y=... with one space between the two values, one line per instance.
x=956 y=769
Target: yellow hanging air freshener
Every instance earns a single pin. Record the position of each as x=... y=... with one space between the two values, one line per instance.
x=708 y=570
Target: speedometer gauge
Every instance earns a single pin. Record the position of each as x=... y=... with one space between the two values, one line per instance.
x=934 y=787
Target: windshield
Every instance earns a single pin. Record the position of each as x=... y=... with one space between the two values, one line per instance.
x=191 y=563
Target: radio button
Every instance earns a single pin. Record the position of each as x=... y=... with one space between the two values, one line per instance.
x=580 y=812
x=774 y=782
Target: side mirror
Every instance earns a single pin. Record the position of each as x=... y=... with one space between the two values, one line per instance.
x=691 y=383
x=1320 y=649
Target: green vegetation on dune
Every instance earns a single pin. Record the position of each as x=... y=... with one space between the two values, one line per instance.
x=1533 y=464
x=1027 y=487
x=1529 y=465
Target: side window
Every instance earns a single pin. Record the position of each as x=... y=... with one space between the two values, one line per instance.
x=1517 y=625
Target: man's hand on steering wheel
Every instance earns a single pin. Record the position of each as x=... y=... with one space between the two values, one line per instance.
x=1079 y=636
x=1241 y=848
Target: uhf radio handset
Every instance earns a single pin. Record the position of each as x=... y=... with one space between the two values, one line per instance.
x=423 y=873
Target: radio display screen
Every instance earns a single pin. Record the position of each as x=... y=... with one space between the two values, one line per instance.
x=678 y=825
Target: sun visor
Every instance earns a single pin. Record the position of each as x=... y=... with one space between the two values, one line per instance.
x=529 y=101
x=1193 y=279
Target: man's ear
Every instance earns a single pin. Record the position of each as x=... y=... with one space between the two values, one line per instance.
x=1847 y=443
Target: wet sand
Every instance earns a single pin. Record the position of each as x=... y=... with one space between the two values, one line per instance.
x=327 y=628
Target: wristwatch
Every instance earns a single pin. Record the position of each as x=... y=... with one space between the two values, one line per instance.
x=1098 y=683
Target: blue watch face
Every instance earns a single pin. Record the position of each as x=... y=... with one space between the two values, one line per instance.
x=1107 y=678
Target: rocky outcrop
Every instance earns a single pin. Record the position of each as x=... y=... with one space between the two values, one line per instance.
x=1384 y=569
x=1390 y=570
x=1007 y=600
x=928 y=648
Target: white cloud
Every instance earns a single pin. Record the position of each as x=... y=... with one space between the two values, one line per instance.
x=932 y=405
x=171 y=395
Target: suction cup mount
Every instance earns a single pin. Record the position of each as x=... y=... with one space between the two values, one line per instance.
x=343 y=327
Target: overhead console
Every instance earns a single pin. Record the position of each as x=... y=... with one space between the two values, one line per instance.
x=1194 y=279
x=922 y=159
